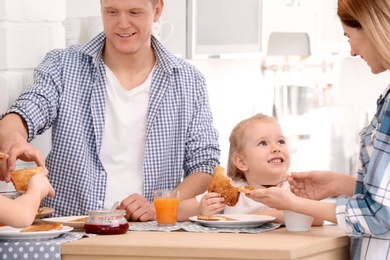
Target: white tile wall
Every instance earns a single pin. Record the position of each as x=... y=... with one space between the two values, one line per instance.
x=28 y=30
x=32 y=11
x=24 y=44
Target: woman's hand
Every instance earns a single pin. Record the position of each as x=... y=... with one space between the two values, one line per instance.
x=320 y=185
x=274 y=197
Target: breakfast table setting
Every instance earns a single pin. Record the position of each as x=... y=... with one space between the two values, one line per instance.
x=240 y=236
x=107 y=234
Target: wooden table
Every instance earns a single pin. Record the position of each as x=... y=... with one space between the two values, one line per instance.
x=327 y=242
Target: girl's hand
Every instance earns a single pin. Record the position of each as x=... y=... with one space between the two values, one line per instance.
x=211 y=203
x=41 y=183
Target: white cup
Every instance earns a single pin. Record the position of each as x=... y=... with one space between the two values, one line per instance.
x=297 y=222
x=162 y=30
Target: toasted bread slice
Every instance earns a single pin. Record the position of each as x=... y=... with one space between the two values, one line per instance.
x=20 y=178
x=246 y=189
x=84 y=219
x=42 y=227
x=214 y=218
x=221 y=184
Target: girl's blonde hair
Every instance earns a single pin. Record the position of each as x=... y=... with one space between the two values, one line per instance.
x=371 y=16
x=236 y=144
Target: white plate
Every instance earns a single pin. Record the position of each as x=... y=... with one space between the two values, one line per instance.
x=67 y=221
x=13 y=234
x=242 y=221
x=45 y=211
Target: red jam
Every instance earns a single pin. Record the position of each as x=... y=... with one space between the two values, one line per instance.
x=106 y=229
x=106 y=223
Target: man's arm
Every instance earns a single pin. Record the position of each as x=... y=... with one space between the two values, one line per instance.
x=12 y=126
x=193 y=185
x=13 y=141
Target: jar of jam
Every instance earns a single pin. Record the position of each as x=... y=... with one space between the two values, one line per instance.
x=103 y=222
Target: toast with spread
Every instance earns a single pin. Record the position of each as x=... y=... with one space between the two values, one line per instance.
x=20 y=178
x=221 y=184
x=43 y=227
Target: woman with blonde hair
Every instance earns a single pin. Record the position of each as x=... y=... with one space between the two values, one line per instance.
x=362 y=208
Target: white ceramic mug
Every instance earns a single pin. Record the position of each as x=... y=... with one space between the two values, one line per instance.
x=297 y=222
x=162 y=30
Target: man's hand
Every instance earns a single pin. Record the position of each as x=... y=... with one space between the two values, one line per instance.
x=138 y=208
x=18 y=151
x=13 y=141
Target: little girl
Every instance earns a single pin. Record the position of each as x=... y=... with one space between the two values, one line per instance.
x=21 y=211
x=258 y=157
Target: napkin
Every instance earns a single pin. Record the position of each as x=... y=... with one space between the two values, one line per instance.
x=195 y=227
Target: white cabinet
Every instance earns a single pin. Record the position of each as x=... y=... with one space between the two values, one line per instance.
x=175 y=12
x=223 y=26
x=291 y=21
x=210 y=28
x=272 y=7
x=220 y=27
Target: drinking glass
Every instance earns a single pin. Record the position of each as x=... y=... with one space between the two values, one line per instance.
x=166 y=203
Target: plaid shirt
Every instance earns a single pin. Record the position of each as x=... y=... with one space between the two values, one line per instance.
x=366 y=216
x=68 y=95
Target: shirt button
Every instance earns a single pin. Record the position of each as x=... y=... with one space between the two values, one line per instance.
x=103 y=173
x=100 y=202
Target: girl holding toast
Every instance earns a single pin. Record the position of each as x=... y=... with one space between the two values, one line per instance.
x=258 y=158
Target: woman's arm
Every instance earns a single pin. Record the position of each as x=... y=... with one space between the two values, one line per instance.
x=282 y=199
x=320 y=185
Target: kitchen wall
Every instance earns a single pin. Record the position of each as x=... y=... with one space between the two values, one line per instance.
x=323 y=137
x=28 y=29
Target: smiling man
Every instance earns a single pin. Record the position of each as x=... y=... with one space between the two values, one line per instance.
x=127 y=118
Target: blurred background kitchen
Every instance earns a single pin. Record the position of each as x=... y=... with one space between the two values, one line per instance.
x=286 y=58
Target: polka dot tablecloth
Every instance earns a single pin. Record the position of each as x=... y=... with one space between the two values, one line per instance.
x=40 y=250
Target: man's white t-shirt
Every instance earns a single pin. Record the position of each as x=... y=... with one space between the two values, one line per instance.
x=124 y=135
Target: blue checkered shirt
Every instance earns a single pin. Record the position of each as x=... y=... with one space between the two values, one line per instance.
x=366 y=216
x=68 y=96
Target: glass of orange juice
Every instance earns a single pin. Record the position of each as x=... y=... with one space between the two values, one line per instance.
x=166 y=203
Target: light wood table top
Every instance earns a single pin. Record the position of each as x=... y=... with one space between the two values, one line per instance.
x=327 y=242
